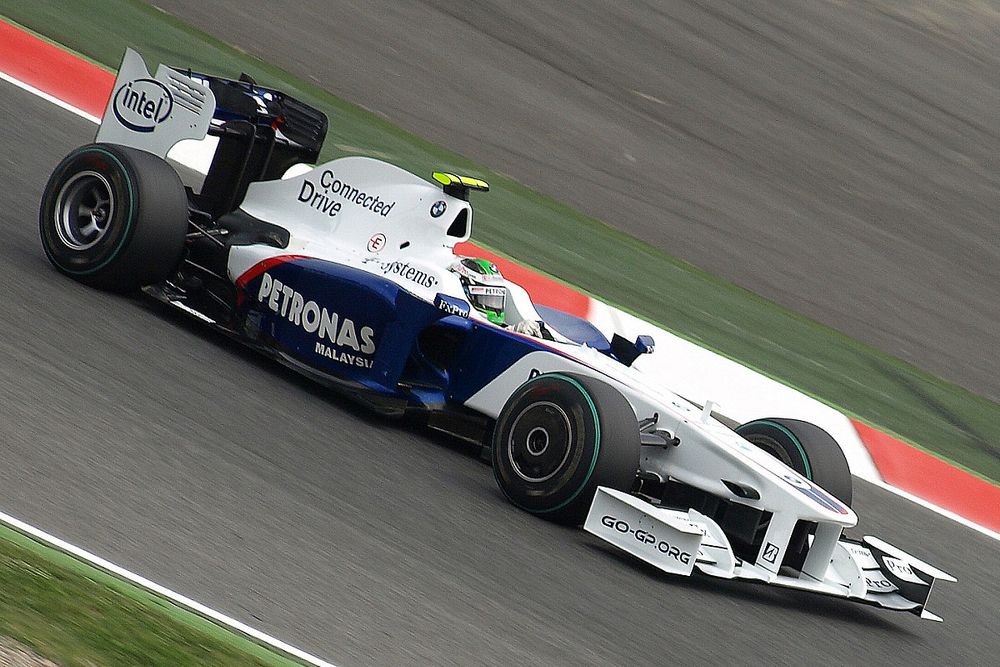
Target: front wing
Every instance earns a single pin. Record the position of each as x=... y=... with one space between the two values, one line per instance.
x=677 y=542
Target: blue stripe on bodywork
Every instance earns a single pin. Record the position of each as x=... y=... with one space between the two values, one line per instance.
x=396 y=317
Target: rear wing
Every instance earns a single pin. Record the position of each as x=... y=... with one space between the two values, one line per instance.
x=154 y=113
x=261 y=132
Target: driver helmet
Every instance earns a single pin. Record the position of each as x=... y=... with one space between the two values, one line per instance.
x=484 y=286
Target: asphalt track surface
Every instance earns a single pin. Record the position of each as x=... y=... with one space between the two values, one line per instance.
x=177 y=454
x=838 y=157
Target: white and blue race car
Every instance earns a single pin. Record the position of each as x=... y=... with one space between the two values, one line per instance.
x=346 y=272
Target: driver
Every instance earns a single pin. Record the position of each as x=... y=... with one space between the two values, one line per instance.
x=484 y=287
x=486 y=290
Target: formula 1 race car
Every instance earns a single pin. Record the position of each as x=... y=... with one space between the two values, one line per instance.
x=346 y=273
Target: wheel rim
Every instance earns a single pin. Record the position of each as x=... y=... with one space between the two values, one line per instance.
x=772 y=447
x=83 y=211
x=540 y=442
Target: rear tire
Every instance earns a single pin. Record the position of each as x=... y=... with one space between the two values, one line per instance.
x=559 y=437
x=114 y=217
x=805 y=448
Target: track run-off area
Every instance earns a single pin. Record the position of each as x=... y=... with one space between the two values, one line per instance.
x=179 y=455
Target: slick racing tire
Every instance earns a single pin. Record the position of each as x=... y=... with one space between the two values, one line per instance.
x=558 y=438
x=805 y=448
x=114 y=217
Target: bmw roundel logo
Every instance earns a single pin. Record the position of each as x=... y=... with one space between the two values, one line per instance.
x=437 y=210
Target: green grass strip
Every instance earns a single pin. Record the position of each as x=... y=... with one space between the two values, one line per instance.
x=881 y=390
x=75 y=614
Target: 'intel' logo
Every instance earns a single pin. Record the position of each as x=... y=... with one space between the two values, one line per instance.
x=142 y=104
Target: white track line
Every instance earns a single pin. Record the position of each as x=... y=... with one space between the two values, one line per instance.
x=49 y=98
x=142 y=582
x=948 y=514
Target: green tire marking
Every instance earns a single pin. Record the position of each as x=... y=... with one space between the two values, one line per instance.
x=597 y=443
x=795 y=441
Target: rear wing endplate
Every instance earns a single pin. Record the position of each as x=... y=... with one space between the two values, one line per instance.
x=154 y=113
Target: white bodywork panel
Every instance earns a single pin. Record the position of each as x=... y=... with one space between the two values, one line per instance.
x=710 y=451
x=366 y=214
x=346 y=202
x=375 y=217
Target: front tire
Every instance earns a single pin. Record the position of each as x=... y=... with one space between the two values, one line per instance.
x=114 y=217
x=805 y=448
x=559 y=437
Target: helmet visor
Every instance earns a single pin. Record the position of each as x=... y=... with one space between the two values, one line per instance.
x=488 y=298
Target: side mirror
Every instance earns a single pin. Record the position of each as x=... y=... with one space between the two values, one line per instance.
x=627 y=352
x=644 y=345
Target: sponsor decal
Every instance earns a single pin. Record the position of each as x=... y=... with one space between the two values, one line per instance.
x=862 y=556
x=339 y=338
x=142 y=104
x=376 y=243
x=325 y=194
x=324 y=350
x=646 y=537
x=901 y=570
x=807 y=488
x=451 y=305
x=770 y=553
x=795 y=480
x=407 y=272
x=486 y=290
x=438 y=208
x=879 y=585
